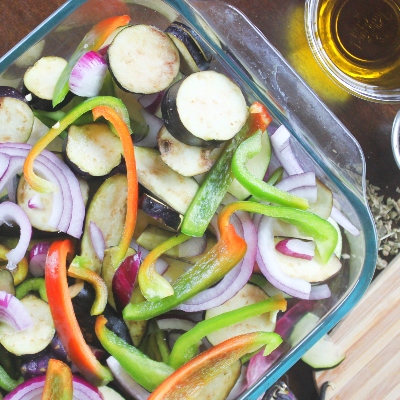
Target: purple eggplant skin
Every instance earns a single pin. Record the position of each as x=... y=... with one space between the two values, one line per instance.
x=8 y=91
x=36 y=366
x=173 y=123
x=160 y=212
x=82 y=304
x=43 y=104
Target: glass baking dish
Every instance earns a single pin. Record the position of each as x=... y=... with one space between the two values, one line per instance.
x=241 y=51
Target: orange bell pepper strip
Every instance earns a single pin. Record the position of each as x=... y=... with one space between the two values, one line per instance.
x=188 y=381
x=64 y=318
x=58 y=383
x=93 y=40
x=111 y=115
x=152 y=285
x=80 y=268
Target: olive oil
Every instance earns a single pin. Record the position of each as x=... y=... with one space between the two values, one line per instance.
x=362 y=38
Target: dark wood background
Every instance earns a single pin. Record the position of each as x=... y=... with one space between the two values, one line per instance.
x=282 y=23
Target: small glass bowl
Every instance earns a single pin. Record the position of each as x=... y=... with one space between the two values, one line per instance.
x=364 y=90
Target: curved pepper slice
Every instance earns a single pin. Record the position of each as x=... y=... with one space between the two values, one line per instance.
x=80 y=268
x=211 y=267
x=187 y=343
x=65 y=321
x=145 y=371
x=33 y=284
x=93 y=40
x=188 y=381
x=58 y=384
x=257 y=187
x=42 y=185
x=154 y=286
x=6 y=382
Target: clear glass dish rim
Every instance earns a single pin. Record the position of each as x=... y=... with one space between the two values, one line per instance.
x=364 y=91
x=340 y=309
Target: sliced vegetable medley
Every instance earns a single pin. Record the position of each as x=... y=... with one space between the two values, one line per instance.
x=158 y=227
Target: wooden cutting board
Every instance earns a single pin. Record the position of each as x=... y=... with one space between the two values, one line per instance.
x=370 y=337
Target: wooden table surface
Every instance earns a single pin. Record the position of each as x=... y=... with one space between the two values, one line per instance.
x=282 y=23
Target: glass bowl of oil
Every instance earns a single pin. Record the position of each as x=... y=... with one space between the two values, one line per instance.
x=357 y=43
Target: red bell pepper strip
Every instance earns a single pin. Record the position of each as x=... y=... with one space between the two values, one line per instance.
x=80 y=268
x=152 y=284
x=93 y=40
x=42 y=185
x=65 y=321
x=111 y=115
x=58 y=383
x=211 y=267
x=190 y=379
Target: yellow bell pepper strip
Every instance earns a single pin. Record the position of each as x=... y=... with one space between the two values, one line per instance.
x=211 y=267
x=21 y=271
x=80 y=268
x=309 y=224
x=257 y=187
x=186 y=347
x=29 y=285
x=58 y=384
x=6 y=382
x=154 y=286
x=191 y=378
x=64 y=318
x=215 y=185
x=123 y=131
x=41 y=185
x=145 y=371
x=93 y=40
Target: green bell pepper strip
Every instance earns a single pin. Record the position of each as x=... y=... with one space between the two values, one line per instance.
x=154 y=286
x=211 y=267
x=145 y=371
x=188 y=381
x=276 y=176
x=257 y=187
x=186 y=347
x=42 y=185
x=309 y=224
x=30 y=285
x=6 y=382
x=93 y=40
x=214 y=187
x=80 y=268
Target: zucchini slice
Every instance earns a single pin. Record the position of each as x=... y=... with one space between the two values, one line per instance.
x=204 y=109
x=40 y=81
x=325 y=353
x=184 y=159
x=34 y=339
x=143 y=59
x=174 y=189
x=249 y=294
x=92 y=150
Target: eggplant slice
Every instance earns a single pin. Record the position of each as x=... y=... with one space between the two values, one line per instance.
x=143 y=59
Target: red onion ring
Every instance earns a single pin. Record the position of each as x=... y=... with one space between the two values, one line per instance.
x=234 y=280
x=14 y=313
x=37 y=258
x=11 y=212
x=97 y=239
x=296 y=248
x=343 y=221
x=4 y=163
x=297 y=180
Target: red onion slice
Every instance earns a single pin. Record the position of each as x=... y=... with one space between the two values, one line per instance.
x=11 y=212
x=161 y=265
x=11 y=187
x=97 y=239
x=4 y=163
x=320 y=292
x=297 y=180
x=151 y=102
x=13 y=312
x=343 y=221
x=296 y=248
x=88 y=74
x=234 y=280
x=126 y=381
x=35 y=202
x=173 y=324
x=37 y=258
x=280 y=141
x=269 y=265
x=33 y=389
